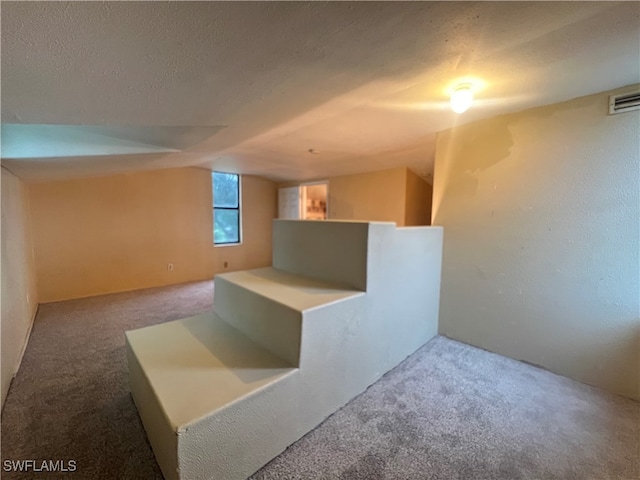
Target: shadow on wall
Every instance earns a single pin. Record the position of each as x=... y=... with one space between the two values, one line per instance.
x=541 y=245
x=473 y=155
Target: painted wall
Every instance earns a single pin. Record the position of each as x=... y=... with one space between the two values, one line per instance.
x=19 y=294
x=394 y=195
x=541 y=244
x=118 y=233
x=418 y=200
x=373 y=196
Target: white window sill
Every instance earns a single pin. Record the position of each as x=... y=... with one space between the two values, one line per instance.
x=218 y=245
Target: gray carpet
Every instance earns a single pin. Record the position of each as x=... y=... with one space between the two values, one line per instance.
x=450 y=411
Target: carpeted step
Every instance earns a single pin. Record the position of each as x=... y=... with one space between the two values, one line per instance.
x=268 y=304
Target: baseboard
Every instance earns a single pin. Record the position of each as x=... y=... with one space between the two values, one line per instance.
x=21 y=355
x=26 y=341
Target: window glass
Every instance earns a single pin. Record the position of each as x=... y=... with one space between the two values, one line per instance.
x=225 y=190
x=225 y=226
x=226 y=208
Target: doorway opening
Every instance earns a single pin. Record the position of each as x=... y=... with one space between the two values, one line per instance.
x=314 y=201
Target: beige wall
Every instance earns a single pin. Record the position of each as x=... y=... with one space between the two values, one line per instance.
x=19 y=295
x=418 y=200
x=394 y=195
x=375 y=196
x=118 y=233
x=541 y=243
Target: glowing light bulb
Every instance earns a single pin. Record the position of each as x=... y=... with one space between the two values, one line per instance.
x=461 y=98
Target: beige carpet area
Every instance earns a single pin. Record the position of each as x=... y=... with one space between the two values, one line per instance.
x=450 y=411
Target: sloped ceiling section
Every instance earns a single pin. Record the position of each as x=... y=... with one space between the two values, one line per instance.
x=251 y=87
x=42 y=141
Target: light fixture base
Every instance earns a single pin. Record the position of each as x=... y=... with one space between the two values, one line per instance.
x=462 y=97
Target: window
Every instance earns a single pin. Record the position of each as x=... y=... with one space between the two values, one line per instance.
x=226 y=208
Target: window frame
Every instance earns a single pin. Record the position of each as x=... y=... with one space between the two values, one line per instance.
x=238 y=209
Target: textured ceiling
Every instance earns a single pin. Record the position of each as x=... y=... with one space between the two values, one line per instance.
x=364 y=84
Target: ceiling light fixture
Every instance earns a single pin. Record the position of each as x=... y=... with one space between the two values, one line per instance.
x=461 y=98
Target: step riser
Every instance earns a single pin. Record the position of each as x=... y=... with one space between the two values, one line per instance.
x=239 y=440
x=161 y=435
x=274 y=326
x=334 y=252
x=354 y=354
x=331 y=372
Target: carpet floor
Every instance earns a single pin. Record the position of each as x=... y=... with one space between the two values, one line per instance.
x=450 y=411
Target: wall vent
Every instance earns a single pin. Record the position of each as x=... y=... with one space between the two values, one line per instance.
x=624 y=103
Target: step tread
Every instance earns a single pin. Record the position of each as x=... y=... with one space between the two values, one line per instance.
x=295 y=291
x=199 y=365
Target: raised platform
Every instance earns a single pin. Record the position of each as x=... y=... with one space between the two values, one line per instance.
x=220 y=395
